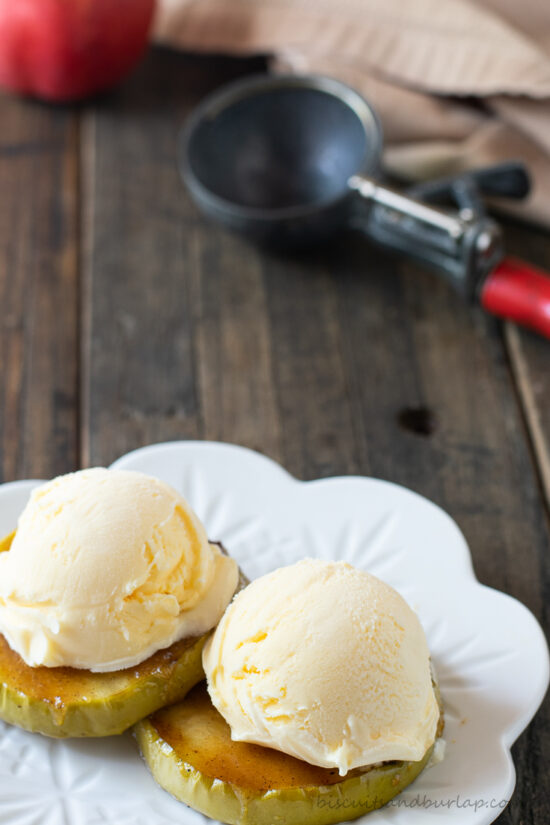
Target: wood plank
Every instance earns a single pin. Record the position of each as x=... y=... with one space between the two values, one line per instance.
x=141 y=374
x=320 y=419
x=530 y=355
x=235 y=382
x=38 y=290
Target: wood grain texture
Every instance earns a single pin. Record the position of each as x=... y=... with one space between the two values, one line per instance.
x=188 y=332
x=38 y=290
x=233 y=349
x=194 y=334
x=530 y=356
x=142 y=259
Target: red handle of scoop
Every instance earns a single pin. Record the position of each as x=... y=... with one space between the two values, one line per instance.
x=519 y=292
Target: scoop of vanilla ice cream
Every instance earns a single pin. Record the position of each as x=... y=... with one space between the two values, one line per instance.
x=106 y=567
x=326 y=663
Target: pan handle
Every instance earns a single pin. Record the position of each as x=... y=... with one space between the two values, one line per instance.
x=462 y=248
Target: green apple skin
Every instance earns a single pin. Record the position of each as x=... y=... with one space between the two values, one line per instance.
x=233 y=798
x=65 y=702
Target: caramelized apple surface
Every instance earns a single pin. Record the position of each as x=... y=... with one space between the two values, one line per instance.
x=189 y=750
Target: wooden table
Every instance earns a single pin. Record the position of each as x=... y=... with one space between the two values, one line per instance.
x=128 y=319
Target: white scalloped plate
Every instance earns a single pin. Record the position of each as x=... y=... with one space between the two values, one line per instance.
x=489 y=651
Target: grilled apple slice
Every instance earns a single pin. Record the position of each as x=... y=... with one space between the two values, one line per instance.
x=65 y=701
x=190 y=753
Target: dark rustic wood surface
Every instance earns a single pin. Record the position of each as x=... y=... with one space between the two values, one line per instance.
x=128 y=319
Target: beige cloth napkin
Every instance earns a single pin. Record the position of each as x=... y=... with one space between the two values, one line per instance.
x=457 y=83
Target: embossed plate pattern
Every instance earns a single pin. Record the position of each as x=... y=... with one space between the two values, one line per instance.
x=489 y=651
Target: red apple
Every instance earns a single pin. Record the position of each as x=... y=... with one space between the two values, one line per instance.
x=64 y=50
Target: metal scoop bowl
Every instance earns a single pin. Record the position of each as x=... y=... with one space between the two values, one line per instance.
x=291 y=160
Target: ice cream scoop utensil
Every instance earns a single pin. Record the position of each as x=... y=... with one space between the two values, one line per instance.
x=291 y=160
